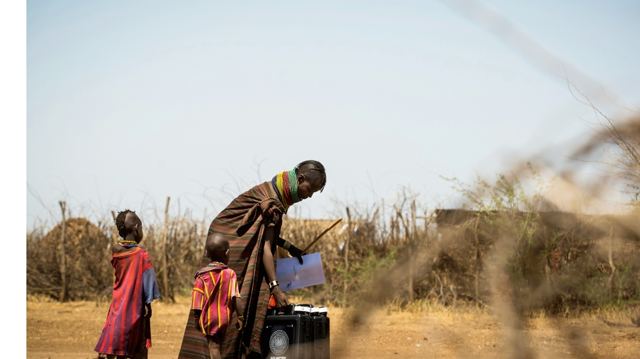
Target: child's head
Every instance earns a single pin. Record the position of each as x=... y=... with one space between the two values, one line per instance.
x=218 y=249
x=129 y=225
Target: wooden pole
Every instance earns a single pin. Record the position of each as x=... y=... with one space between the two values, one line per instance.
x=63 y=254
x=115 y=233
x=412 y=239
x=204 y=221
x=409 y=242
x=165 y=235
x=613 y=266
x=346 y=254
x=346 y=244
x=384 y=220
x=478 y=262
x=322 y=234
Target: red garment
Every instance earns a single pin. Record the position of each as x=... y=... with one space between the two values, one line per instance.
x=125 y=331
x=215 y=287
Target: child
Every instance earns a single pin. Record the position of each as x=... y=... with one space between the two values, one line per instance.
x=127 y=333
x=215 y=295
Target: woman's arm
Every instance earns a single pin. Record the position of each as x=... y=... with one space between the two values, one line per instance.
x=293 y=250
x=270 y=270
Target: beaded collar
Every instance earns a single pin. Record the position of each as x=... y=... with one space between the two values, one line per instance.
x=128 y=244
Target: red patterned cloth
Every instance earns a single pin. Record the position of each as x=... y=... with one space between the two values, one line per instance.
x=127 y=332
x=216 y=286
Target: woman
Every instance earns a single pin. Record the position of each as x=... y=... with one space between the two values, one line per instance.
x=251 y=223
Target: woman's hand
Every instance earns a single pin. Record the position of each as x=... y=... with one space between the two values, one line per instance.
x=296 y=252
x=281 y=299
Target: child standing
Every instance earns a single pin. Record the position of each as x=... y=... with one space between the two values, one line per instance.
x=215 y=296
x=127 y=333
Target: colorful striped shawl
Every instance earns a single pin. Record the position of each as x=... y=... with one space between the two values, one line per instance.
x=126 y=329
x=243 y=223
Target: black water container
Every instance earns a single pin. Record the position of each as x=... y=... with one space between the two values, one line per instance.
x=321 y=333
x=288 y=334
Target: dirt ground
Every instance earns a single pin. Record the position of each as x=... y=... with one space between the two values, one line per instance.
x=71 y=330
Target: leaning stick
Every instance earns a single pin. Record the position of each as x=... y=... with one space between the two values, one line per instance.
x=322 y=234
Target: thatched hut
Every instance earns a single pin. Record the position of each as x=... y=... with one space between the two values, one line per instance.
x=88 y=272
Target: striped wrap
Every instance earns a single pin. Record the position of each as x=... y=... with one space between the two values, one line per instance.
x=127 y=331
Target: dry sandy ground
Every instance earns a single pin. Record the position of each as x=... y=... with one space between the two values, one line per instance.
x=71 y=330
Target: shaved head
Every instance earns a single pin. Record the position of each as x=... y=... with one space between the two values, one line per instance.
x=128 y=223
x=217 y=248
x=313 y=172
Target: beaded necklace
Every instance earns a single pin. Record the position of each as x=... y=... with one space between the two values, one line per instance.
x=128 y=244
x=286 y=184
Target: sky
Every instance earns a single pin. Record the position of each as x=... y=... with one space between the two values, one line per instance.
x=130 y=102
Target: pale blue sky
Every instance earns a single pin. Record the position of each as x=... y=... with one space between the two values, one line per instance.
x=132 y=101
